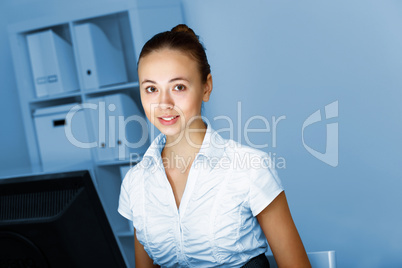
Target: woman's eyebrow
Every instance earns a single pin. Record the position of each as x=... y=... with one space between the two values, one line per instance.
x=148 y=81
x=170 y=81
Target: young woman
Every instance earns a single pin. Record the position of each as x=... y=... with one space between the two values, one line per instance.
x=195 y=199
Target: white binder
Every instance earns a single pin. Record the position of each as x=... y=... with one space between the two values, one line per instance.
x=131 y=129
x=112 y=133
x=99 y=120
x=101 y=56
x=52 y=62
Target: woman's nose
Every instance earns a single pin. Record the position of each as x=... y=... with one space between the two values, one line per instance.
x=165 y=101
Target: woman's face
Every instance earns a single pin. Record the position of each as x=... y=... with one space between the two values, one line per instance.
x=172 y=91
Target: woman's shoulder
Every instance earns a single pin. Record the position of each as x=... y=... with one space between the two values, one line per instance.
x=243 y=158
x=134 y=174
x=234 y=148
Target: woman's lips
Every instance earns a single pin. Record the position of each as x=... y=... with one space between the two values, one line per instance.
x=168 y=120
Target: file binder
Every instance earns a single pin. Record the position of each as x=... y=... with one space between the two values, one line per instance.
x=52 y=63
x=100 y=126
x=124 y=107
x=113 y=130
x=101 y=57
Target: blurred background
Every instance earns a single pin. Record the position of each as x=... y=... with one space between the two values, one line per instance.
x=287 y=59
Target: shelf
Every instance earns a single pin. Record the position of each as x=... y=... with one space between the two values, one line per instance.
x=55 y=101
x=56 y=97
x=115 y=163
x=111 y=89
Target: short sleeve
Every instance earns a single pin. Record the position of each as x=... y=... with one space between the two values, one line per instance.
x=265 y=187
x=124 y=199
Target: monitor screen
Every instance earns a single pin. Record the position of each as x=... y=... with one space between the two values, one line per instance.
x=55 y=220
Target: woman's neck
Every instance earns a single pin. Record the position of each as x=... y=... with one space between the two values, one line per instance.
x=188 y=143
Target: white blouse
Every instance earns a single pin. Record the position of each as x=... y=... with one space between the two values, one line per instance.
x=215 y=225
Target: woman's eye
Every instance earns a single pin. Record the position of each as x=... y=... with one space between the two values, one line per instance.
x=179 y=87
x=150 y=89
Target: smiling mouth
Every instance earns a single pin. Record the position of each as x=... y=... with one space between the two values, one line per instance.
x=170 y=118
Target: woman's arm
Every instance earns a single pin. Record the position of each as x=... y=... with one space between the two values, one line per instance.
x=281 y=233
x=142 y=260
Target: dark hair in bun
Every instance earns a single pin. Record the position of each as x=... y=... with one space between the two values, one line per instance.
x=181 y=38
x=183 y=28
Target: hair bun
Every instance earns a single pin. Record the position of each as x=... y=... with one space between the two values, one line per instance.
x=185 y=29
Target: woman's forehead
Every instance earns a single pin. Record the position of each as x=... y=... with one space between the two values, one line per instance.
x=165 y=64
x=166 y=53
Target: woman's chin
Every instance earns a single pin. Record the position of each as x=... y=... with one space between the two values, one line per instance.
x=170 y=131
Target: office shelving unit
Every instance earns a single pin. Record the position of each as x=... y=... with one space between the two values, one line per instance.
x=133 y=22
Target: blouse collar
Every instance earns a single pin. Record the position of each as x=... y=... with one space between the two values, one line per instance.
x=212 y=148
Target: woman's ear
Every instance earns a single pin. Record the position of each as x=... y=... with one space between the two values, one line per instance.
x=207 y=88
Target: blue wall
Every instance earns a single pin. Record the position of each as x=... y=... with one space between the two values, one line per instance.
x=291 y=58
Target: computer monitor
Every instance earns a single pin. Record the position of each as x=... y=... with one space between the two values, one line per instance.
x=55 y=220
